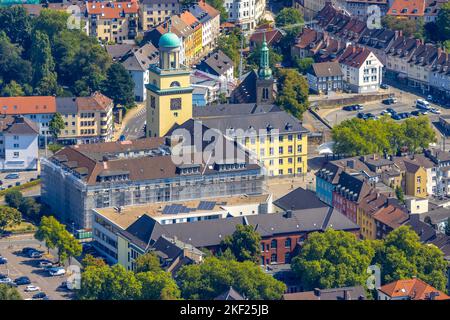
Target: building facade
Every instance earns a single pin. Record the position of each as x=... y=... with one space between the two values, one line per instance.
x=154 y=12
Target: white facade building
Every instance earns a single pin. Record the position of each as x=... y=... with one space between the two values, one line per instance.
x=245 y=13
x=18 y=144
x=362 y=70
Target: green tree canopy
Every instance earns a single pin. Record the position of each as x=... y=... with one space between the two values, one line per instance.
x=158 y=285
x=333 y=259
x=56 y=124
x=292 y=92
x=303 y=64
x=13 y=198
x=402 y=256
x=220 y=6
x=9 y=293
x=214 y=276
x=12 y=66
x=30 y=208
x=56 y=236
x=148 y=262
x=12 y=89
x=409 y=27
x=17 y=24
x=91 y=261
x=9 y=217
x=288 y=16
x=244 y=243
x=253 y=60
x=443 y=22
x=119 y=85
x=230 y=45
x=51 y=22
x=356 y=136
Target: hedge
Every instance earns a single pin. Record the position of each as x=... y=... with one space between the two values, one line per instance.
x=21 y=187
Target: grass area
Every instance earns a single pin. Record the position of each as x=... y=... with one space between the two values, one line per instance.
x=21 y=187
x=23 y=227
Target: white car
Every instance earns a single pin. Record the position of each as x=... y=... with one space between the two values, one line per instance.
x=385 y=112
x=435 y=111
x=45 y=264
x=5 y=280
x=57 y=272
x=32 y=288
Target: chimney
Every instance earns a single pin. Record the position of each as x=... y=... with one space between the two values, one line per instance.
x=347 y=295
x=317 y=292
x=288 y=214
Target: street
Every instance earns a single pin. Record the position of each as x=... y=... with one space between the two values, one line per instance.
x=19 y=265
x=133 y=127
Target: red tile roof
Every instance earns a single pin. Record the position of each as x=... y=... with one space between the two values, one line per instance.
x=354 y=56
x=27 y=105
x=407 y=8
x=190 y=20
x=111 y=10
x=97 y=101
x=213 y=12
x=414 y=289
x=391 y=216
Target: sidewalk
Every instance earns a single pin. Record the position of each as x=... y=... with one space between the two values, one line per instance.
x=128 y=117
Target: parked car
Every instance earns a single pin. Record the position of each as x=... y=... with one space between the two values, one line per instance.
x=39 y=296
x=430 y=98
x=22 y=280
x=422 y=104
x=26 y=250
x=3 y=260
x=415 y=113
x=35 y=254
x=435 y=111
x=361 y=115
x=11 y=176
x=32 y=288
x=391 y=111
x=390 y=101
x=348 y=108
x=385 y=112
x=5 y=280
x=45 y=264
x=396 y=116
x=384 y=86
x=54 y=272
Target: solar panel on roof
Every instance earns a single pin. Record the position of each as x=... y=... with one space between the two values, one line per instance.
x=206 y=205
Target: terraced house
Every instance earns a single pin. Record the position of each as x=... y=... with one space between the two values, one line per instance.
x=112 y=21
x=154 y=12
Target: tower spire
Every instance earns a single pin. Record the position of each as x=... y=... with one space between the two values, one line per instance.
x=264 y=69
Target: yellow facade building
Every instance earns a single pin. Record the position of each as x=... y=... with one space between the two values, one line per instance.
x=169 y=93
x=415 y=180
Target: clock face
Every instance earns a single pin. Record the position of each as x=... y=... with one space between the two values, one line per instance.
x=175 y=104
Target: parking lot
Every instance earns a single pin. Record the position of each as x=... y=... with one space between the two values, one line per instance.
x=19 y=265
x=24 y=176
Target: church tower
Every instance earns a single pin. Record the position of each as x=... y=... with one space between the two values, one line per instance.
x=169 y=91
x=265 y=82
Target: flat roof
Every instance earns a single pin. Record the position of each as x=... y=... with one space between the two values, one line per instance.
x=129 y=214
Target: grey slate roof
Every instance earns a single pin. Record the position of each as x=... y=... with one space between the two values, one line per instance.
x=17 y=125
x=326 y=69
x=118 y=51
x=299 y=199
x=281 y=121
x=66 y=105
x=217 y=63
x=226 y=110
x=210 y=233
x=346 y=293
x=140 y=59
x=230 y=294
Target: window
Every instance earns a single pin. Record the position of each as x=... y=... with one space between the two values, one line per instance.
x=175 y=84
x=175 y=104
x=16 y=154
x=152 y=102
x=287 y=243
x=16 y=145
x=273 y=258
x=287 y=257
x=273 y=244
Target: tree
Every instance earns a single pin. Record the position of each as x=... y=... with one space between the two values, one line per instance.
x=333 y=259
x=207 y=280
x=12 y=89
x=403 y=256
x=400 y=194
x=16 y=23
x=91 y=261
x=292 y=92
x=304 y=64
x=56 y=236
x=9 y=293
x=443 y=22
x=158 y=286
x=244 y=243
x=51 y=22
x=148 y=262
x=30 y=208
x=119 y=86
x=44 y=75
x=418 y=133
x=56 y=125
x=9 y=217
x=12 y=66
x=409 y=27
x=230 y=45
x=13 y=198
x=220 y=6
x=288 y=16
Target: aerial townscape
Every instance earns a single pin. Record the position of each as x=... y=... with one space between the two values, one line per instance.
x=224 y=150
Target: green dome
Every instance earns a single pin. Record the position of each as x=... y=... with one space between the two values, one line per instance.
x=169 y=40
